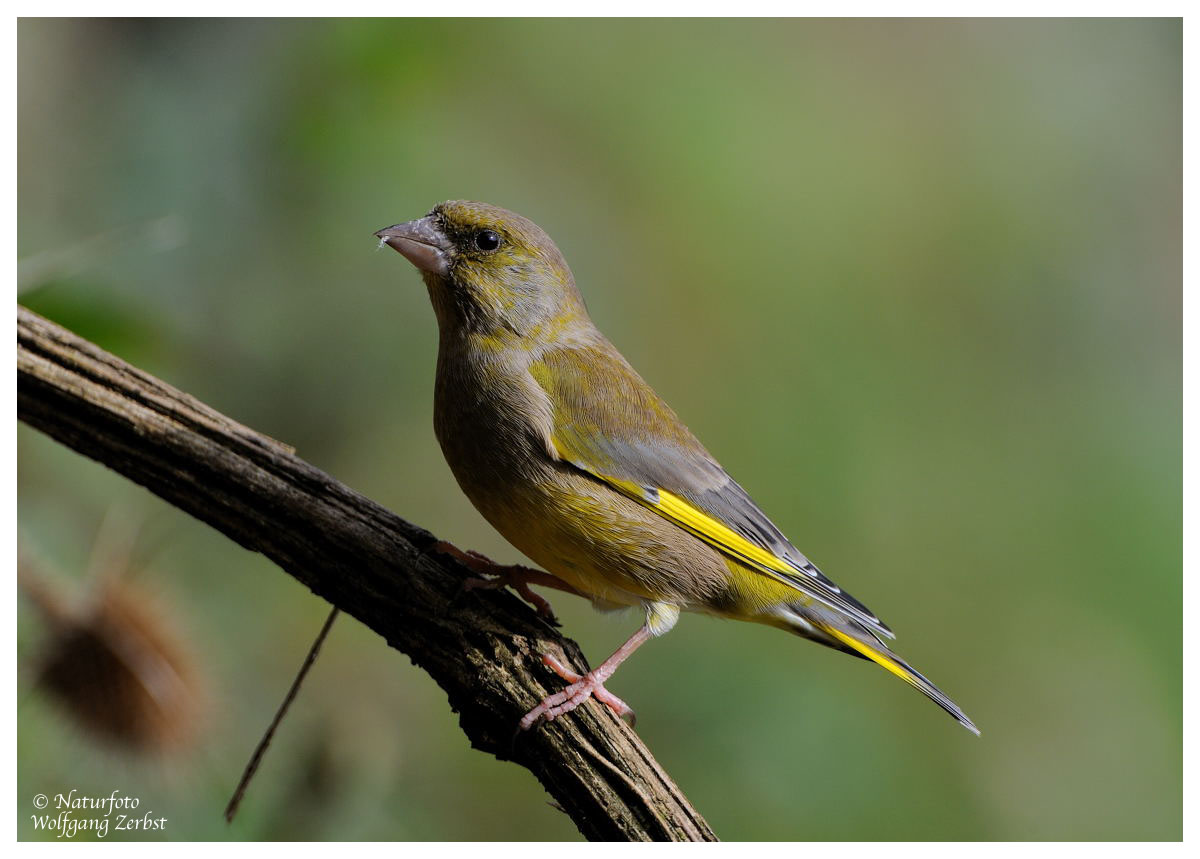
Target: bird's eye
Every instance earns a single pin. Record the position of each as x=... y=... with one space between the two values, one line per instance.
x=487 y=240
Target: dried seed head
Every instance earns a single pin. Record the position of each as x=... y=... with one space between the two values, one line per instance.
x=119 y=669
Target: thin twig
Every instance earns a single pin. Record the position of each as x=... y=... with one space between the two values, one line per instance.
x=261 y=749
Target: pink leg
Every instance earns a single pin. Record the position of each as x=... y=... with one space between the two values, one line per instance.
x=585 y=686
x=514 y=576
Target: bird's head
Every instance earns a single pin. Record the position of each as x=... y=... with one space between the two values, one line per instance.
x=488 y=270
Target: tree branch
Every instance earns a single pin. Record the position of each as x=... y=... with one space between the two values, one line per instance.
x=483 y=648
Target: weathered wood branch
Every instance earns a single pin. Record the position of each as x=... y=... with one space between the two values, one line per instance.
x=482 y=647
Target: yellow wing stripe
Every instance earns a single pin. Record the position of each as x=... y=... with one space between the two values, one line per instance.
x=723 y=537
x=705 y=527
x=719 y=536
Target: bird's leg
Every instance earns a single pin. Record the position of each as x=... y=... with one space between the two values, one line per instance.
x=515 y=576
x=586 y=685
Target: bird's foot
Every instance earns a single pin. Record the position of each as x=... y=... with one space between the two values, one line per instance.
x=503 y=575
x=583 y=686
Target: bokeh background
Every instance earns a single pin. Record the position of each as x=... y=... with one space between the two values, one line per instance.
x=915 y=283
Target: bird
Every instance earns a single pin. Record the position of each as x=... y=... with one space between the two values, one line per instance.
x=568 y=453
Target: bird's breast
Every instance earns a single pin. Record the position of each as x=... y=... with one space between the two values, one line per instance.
x=492 y=421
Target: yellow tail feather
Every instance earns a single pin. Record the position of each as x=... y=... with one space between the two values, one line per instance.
x=897 y=666
x=872 y=654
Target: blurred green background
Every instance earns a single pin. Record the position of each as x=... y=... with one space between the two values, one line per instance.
x=915 y=283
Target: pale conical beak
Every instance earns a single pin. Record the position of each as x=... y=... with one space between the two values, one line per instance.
x=421 y=242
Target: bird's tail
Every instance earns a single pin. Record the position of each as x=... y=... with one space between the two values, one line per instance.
x=879 y=653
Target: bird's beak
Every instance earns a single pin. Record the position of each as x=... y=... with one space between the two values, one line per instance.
x=421 y=242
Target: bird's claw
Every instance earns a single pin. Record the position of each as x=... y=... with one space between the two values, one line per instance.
x=503 y=575
x=582 y=687
x=540 y=604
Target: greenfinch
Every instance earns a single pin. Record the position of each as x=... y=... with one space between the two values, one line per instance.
x=571 y=456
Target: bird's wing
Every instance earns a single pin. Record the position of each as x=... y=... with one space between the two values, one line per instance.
x=609 y=423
